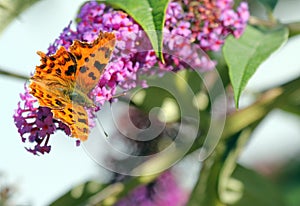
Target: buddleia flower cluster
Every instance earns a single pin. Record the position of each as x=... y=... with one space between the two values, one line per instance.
x=204 y=23
x=161 y=192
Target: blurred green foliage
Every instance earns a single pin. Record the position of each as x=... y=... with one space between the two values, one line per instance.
x=11 y=9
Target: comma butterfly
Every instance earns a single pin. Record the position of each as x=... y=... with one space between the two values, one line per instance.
x=63 y=80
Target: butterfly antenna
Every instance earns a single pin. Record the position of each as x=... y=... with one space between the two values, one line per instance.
x=119 y=95
x=99 y=124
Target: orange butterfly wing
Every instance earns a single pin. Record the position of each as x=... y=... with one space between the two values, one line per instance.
x=57 y=68
x=91 y=60
x=67 y=72
x=63 y=109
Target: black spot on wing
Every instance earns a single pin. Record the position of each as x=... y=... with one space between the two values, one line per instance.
x=42 y=66
x=83 y=45
x=58 y=71
x=78 y=56
x=107 y=53
x=81 y=114
x=99 y=66
x=51 y=65
x=44 y=59
x=72 y=57
x=71 y=70
x=82 y=120
x=105 y=50
x=92 y=75
x=59 y=103
x=83 y=69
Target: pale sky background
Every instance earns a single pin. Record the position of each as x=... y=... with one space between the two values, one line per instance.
x=42 y=179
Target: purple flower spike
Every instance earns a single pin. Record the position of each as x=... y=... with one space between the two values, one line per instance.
x=214 y=20
x=36 y=124
x=163 y=191
x=65 y=39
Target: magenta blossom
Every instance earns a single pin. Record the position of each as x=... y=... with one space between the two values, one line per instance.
x=214 y=20
x=164 y=191
x=35 y=124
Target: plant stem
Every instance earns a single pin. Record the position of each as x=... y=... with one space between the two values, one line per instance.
x=261 y=22
x=294 y=28
x=273 y=98
x=14 y=75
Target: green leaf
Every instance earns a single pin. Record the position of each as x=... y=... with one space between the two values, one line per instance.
x=294 y=28
x=288 y=179
x=9 y=10
x=258 y=190
x=150 y=14
x=254 y=190
x=215 y=186
x=245 y=54
x=79 y=195
x=218 y=183
x=93 y=193
x=269 y=4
